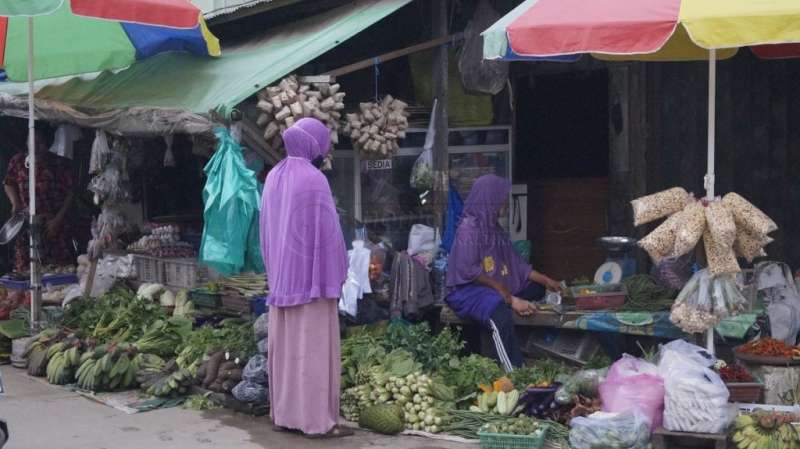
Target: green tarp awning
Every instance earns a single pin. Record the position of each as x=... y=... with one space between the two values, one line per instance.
x=179 y=81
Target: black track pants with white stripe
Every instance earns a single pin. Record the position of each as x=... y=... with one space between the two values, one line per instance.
x=501 y=327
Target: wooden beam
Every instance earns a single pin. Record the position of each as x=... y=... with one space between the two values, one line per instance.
x=367 y=63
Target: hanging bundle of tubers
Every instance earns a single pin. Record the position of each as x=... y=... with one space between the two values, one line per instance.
x=290 y=100
x=377 y=127
x=730 y=227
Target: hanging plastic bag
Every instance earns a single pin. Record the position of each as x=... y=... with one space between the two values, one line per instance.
x=231 y=200
x=479 y=75
x=169 y=156
x=633 y=384
x=610 y=430
x=100 y=152
x=64 y=140
x=421 y=238
x=422 y=171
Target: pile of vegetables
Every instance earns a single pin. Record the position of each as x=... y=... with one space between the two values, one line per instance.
x=735 y=373
x=516 y=426
x=769 y=347
x=467 y=424
x=645 y=294
x=766 y=430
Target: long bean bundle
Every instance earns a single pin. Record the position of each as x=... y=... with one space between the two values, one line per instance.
x=647 y=295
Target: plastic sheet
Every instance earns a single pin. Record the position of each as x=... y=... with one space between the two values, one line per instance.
x=256 y=370
x=480 y=75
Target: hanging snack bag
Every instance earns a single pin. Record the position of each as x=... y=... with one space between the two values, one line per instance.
x=660 y=243
x=748 y=216
x=749 y=246
x=721 y=259
x=689 y=229
x=658 y=205
x=720 y=223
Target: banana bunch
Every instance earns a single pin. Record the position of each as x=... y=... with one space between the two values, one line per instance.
x=63 y=360
x=37 y=351
x=108 y=367
x=765 y=430
x=162 y=380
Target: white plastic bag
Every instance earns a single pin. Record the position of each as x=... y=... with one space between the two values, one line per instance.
x=695 y=397
x=602 y=430
x=421 y=238
x=357 y=283
x=422 y=171
x=100 y=153
x=64 y=140
x=696 y=400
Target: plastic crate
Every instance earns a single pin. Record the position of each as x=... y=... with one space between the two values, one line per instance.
x=206 y=300
x=184 y=273
x=235 y=304
x=258 y=305
x=50 y=280
x=602 y=297
x=149 y=269
x=508 y=441
x=745 y=392
x=575 y=346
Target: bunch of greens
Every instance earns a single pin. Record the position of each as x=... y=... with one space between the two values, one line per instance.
x=117 y=315
x=360 y=353
x=645 y=294
x=599 y=361
x=233 y=335
x=164 y=336
x=433 y=352
x=541 y=373
x=464 y=375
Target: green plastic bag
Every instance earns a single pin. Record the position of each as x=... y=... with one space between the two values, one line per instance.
x=231 y=198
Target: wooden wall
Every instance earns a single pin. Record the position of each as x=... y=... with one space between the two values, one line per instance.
x=758 y=135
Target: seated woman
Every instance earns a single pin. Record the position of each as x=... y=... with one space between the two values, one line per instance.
x=486 y=277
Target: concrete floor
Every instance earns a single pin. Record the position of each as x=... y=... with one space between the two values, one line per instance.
x=41 y=416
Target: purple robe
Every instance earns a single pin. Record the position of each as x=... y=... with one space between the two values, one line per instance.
x=301 y=238
x=482 y=246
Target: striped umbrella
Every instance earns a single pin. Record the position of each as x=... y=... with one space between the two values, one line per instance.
x=86 y=36
x=649 y=30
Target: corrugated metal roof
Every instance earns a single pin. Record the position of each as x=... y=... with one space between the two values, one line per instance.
x=214 y=8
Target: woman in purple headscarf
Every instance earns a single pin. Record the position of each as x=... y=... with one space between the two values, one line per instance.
x=486 y=277
x=304 y=253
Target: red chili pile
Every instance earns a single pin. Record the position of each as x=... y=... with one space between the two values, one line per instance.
x=735 y=373
x=768 y=347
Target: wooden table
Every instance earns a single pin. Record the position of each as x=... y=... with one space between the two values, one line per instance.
x=540 y=319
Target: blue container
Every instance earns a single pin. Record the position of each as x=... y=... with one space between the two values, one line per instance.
x=258 y=305
x=51 y=280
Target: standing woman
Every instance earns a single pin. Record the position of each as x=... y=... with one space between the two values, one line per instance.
x=305 y=257
x=486 y=277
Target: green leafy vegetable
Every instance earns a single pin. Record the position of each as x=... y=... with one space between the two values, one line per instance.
x=464 y=375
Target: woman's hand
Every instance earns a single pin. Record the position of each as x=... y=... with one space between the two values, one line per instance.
x=522 y=307
x=553 y=286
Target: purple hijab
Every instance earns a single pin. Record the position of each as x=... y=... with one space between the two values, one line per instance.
x=481 y=245
x=301 y=238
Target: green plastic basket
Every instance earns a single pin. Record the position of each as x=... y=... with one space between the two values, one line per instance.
x=205 y=300
x=508 y=441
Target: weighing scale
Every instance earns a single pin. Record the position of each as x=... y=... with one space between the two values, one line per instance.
x=620 y=262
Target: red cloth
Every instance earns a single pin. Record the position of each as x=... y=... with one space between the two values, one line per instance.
x=54 y=182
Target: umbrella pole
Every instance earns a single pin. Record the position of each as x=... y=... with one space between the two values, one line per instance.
x=36 y=282
x=712 y=134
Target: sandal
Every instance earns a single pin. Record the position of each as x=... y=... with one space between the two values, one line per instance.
x=336 y=432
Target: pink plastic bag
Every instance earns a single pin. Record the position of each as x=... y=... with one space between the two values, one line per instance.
x=634 y=384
